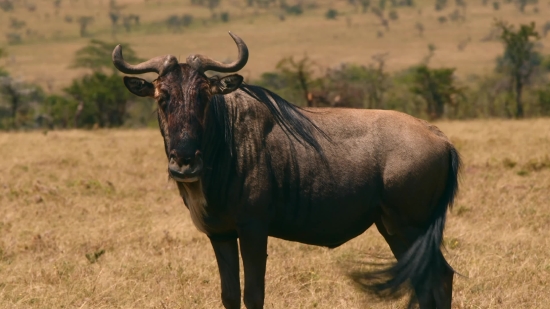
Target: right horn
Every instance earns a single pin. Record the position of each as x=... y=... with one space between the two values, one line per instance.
x=202 y=63
x=157 y=64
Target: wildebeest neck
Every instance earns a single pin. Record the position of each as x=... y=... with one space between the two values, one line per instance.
x=243 y=118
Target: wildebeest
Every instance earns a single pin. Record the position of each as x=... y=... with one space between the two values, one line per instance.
x=249 y=165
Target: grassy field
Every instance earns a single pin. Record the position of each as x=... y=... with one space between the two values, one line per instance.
x=47 y=50
x=89 y=219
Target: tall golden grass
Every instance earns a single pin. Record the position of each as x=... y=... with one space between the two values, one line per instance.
x=44 y=57
x=89 y=219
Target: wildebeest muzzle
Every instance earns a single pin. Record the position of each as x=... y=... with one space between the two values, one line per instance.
x=185 y=167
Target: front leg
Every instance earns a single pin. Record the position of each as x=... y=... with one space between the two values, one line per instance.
x=227 y=256
x=253 y=242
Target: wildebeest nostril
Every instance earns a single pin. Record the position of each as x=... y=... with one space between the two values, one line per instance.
x=187 y=160
x=183 y=158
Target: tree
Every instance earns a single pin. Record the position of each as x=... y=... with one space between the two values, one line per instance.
x=359 y=86
x=436 y=87
x=544 y=100
x=102 y=100
x=96 y=56
x=3 y=54
x=210 y=4
x=84 y=22
x=520 y=58
x=440 y=4
x=101 y=96
x=59 y=111
x=521 y=4
x=300 y=72
x=6 y=5
x=365 y=4
x=17 y=94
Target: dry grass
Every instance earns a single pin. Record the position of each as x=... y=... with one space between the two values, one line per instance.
x=88 y=219
x=46 y=56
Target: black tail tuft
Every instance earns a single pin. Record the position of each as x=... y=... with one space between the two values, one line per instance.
x=423 y=262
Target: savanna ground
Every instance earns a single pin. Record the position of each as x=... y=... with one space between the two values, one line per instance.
x=89 y=219
x=45 y=53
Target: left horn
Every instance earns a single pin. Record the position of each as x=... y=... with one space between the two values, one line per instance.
x=156 y=65
x=202 y=63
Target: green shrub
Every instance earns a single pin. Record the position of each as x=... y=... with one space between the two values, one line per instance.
x=440 y=4
x=437 y=88
x=224 y=16
x=102 y=98
x=6 y=5
x=543 y=100
x=13 y=38
x=59 y=112
x=296 y=9
x=331 y=14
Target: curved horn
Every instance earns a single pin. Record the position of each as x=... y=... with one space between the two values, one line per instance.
x=202 y=63
x=157 y=64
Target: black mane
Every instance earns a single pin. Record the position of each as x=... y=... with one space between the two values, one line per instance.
x=218 y=142
x=287 y=115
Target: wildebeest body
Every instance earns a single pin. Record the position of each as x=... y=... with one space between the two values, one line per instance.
x=325 y=203
x=250 y=165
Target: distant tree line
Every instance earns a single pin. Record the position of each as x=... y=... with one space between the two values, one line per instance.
x=98 y=99
x=517 y=88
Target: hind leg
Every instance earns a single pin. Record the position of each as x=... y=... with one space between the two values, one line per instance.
x=399 y=244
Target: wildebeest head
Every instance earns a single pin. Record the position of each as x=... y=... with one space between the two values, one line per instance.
x=183 y=93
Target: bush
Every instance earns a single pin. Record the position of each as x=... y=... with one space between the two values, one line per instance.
x=13 y=38
x=296 y=9
x=331 y=14
x=186 y=20
x=543 y=100
x=3 y=72
x=84 y=22
x=102 y=100
x=456 y=16
x=224 y=16
x=58 y=112
x=437 y=89
x=17 y=99
x=176 y=22
x=545 y=29
x=520 y=60
x=96 y=56
x=359 y=86
x=6 y=5
x=365 y=4
x=440 y=5
x=545 y=64
x=173 y=22
x=17 y=24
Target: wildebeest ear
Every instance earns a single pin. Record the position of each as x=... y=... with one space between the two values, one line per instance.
x=226 y=84
x=139 y=86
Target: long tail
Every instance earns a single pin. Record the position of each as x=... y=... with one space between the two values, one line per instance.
x=423 y=263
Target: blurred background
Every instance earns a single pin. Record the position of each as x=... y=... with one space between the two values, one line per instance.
x=429 y=58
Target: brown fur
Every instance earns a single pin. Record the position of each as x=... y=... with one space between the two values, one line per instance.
x=251 y=165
